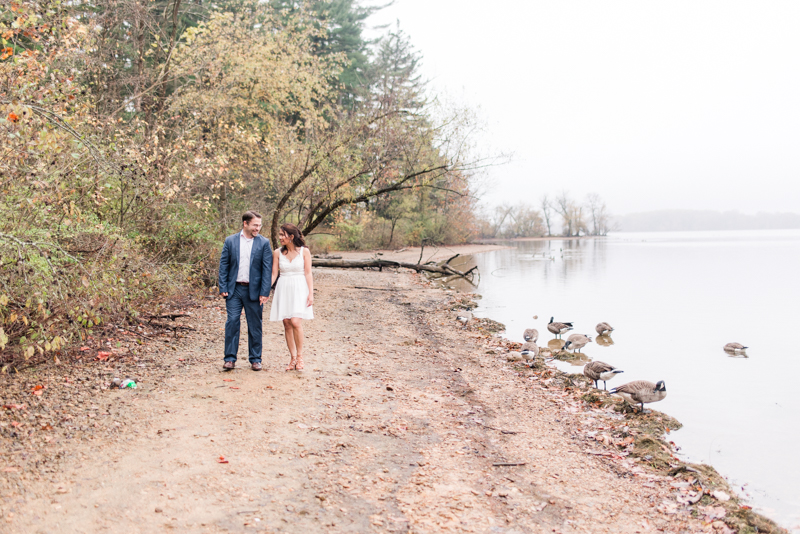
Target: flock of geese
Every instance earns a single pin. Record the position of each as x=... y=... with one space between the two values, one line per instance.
x=639 y=392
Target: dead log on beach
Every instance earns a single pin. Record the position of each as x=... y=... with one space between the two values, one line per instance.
x=441 y=268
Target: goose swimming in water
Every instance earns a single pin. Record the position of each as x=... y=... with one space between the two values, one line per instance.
x=641 y=392
x=603 y=329
x=558 y=328
x=576 y=342
x=531 y=334
x=736 y=348
x=600 y=371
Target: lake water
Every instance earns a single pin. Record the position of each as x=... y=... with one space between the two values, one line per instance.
x=674 y=300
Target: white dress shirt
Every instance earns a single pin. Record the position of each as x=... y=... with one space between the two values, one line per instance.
x=245 y=248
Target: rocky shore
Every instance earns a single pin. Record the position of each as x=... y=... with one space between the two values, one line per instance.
x=404 y=421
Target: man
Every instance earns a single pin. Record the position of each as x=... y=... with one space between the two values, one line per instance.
x=245 y=276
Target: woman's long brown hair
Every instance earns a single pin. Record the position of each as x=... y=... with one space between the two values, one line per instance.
x=297 y=235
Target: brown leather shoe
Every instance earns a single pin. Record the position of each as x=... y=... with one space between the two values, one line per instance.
x=256 y=366
x=228 y=365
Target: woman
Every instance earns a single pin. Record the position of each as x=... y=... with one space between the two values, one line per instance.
x=294 y=294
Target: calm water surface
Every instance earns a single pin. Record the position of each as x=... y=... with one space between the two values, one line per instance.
x=675 y=299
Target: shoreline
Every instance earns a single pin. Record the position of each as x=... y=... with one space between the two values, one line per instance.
x=410 y=422
x=542 y=238
x=412 y=254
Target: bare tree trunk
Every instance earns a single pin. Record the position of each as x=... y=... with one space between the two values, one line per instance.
x=547 y=212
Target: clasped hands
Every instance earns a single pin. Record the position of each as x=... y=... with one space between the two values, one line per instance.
x=261 y=299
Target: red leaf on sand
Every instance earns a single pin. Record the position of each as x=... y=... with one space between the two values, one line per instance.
x=15 y=406
x=15 y=423
x=37 y=390
x=222 y=460
x=228 y=380
x=180 y=359
x=84 y=349
x=234 y=387
x=102 y=355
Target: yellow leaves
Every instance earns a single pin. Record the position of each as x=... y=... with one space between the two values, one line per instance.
x=6 y=53
x=4 y=300
x=3 y=339
x=29 y=352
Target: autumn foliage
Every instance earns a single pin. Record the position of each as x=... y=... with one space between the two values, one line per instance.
x=135 y=133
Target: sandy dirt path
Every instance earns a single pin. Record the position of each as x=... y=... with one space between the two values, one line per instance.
x=395 y=426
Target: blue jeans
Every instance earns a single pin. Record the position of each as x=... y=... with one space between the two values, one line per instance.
x=252 y=312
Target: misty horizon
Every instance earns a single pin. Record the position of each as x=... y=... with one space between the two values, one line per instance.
x=654 y=106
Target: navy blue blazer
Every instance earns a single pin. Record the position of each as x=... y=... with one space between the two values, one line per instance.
x=260 y=266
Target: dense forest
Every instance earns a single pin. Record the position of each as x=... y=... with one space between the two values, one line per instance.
x=137 y=132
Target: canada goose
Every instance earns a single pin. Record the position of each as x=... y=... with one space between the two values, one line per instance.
x=530 y=350
x=641 y=392
x=558 y=328
x=464 y=316
x=603 y=328
x=600 y=371
x=577 y=342
x=514 y=356
x=736 y=348
x=531 y=334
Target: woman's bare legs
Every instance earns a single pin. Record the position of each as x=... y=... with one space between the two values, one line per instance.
x=288 y=332
x=297 y=329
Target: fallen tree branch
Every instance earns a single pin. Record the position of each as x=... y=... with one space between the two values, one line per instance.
x=363 y=264
x=172 y=316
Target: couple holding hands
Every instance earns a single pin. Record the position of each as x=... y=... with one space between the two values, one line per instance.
x=248 y=270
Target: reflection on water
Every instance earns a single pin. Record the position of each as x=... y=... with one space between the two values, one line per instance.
x=735 y=353
x=578 y=359
x=604 y=341
x=739 y=414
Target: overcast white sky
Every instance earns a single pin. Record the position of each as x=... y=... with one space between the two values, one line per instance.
x=654 y=105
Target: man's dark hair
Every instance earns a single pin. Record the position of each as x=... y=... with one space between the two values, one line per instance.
x=250 y=215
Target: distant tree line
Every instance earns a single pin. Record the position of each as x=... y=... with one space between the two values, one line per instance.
x=686 y=220
x=561 y=215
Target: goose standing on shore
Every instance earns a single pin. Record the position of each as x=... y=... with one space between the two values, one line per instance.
x=735 y=348
x=600 y=371
x=530 y=350
x=603 y=329
x=464 y=317
x=531 y=334
x=577 y=342
x=641 y=392
x=558 y=328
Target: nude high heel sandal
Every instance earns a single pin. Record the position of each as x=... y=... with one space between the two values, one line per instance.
x=292 y=364
x=299 y=364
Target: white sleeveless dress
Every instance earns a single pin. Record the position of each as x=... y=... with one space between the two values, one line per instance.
x=291 y=292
